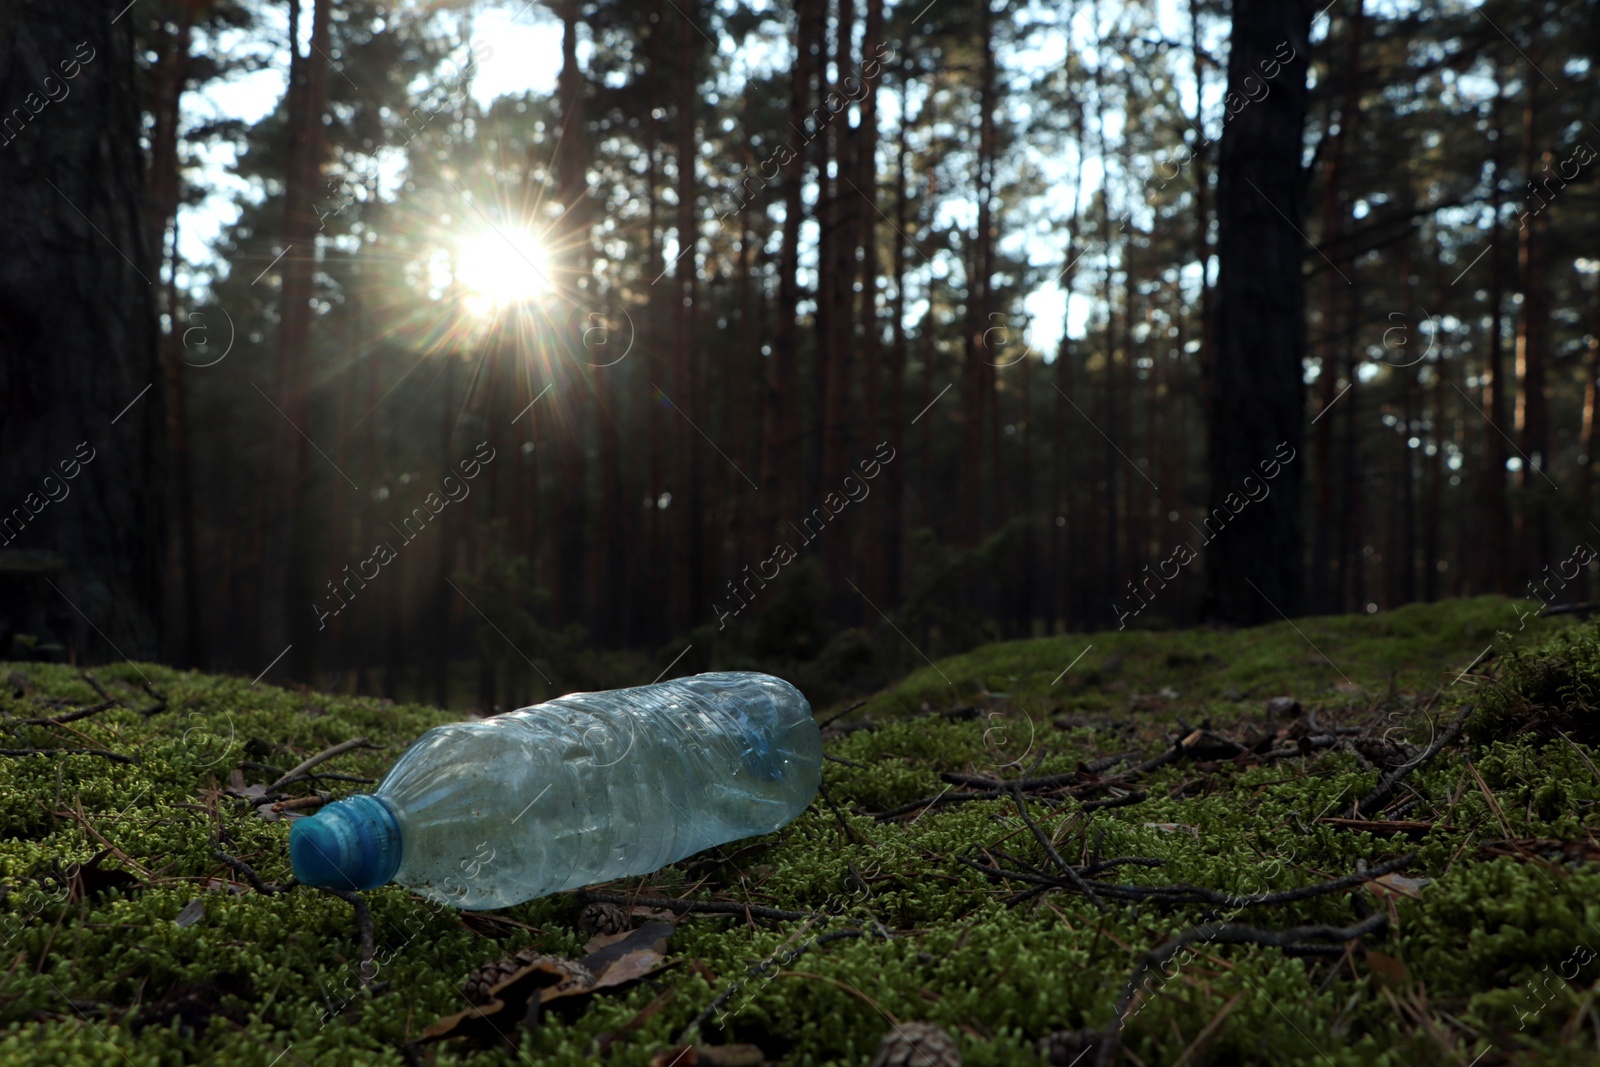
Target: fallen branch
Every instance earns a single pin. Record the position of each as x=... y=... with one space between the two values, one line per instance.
x=326 y=754
x=1192 y=894
x=709 y=907
x=1123 y=801
x=250 y=874
x=119 y=757
x=1292 y=938
x=1583 y=609
x=1039 y=835
x=1373 y=801
x=1382 y=826
x=363 y=926
x=325 y=777
x=100 y=689
x=825 y=723
x=838 y=814
x=74 y=716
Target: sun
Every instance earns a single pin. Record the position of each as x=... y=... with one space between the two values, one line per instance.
x=501 y=267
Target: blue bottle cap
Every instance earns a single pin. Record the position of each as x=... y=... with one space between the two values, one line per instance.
x=350 y=844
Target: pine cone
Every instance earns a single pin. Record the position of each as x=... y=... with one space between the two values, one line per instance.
x=917 y=1044
x=602 y=918
x=1067 y=1048
x=485 y=978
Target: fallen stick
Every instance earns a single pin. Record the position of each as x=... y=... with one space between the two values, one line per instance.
x=73 y=716
x=326 y=754
x=119 y=757
x=1373 y=801
x=250 y=874
x=363 y=927
x=1224 y=933
x=709 y=907
x=1039 y=835
x=1192 y=894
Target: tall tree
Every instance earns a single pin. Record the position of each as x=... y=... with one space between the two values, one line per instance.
x=1254 y=567
x=169 y=78
x=283 y=559
x=82 y=405
x=688 y=573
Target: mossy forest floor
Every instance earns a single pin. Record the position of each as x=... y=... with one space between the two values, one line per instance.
x=126 y=939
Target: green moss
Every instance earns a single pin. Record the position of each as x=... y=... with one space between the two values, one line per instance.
x=1479 y=945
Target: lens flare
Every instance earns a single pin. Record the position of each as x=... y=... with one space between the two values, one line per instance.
x=502 y=267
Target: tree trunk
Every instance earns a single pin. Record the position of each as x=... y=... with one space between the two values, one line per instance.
x=976 y=388
x=894 y=483
x=1333 y=227
x=836 y=316
x=871 y=521
x=284 y=585
x=782 y=464
x=82 y=403
x=1535 y=544
x=1254 y=566
x=571 y=167
x=169 y=77
x=1591 y=434
x=1497 y=573
x=688 y=572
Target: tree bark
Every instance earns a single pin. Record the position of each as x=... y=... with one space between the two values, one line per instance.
x=82 y=402
x=871 y=521
x=782 y=462
x=1497 y=545
x=169 y=78
x=1254 y=566
x=688 y=573
x=1323 y=598
x=284 y=586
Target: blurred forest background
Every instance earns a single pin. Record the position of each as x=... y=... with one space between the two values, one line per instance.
x=755 y=280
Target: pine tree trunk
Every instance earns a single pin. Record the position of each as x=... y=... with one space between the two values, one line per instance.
x=1322 y=595
x=894 y=475
x=1535 y=543
x=572 y=391
x=1497 y=545
x=1254 y=566
x=285 y=612
x=688 y=572
x=782 y=462
x=870 y=524
x=168 y=79
x=82 y=403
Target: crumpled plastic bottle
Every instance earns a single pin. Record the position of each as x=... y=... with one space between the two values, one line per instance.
x=581 y=789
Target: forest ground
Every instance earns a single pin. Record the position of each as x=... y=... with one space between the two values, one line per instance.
x=148 y=900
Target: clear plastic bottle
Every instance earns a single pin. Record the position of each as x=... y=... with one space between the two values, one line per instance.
x=582 y=789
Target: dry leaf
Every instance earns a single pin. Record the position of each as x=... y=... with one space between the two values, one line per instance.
x=192 y=913
x=638 y=954
x=600 y=941
x=542 y=979
x=1398 y=885
x=1393 y=971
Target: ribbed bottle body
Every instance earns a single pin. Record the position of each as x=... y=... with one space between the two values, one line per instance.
x=595 y=786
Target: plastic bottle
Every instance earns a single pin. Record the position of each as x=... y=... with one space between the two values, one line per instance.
x=582 y=789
